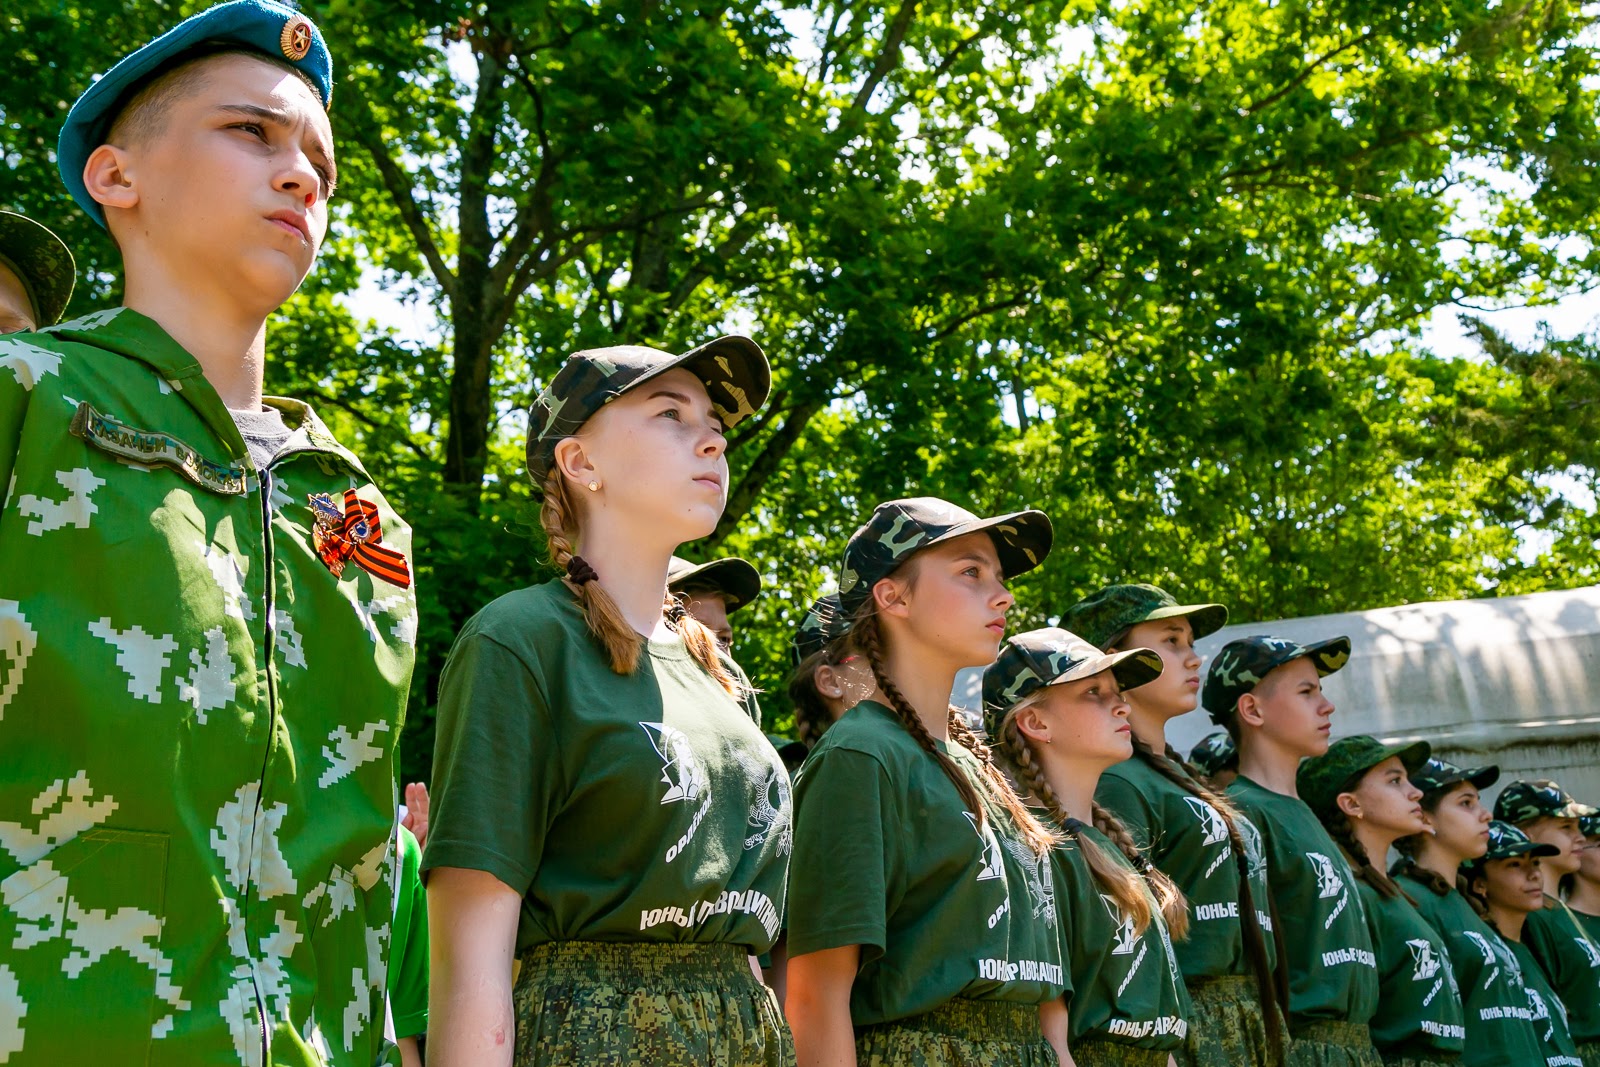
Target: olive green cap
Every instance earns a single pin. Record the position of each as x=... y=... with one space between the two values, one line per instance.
x=1031 y=661
x=1101 y=616
x=1321 y=779
x=734 y=579
x=43 y=263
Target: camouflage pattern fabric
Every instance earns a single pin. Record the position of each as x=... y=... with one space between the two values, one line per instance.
x=1242 y=664
x=1506 y=841
x=1113 y=1054
x=1435 y=775
x=1225 y=1025
x=824 y=622
x=959 y=1033
x=1215 y=752
x=1330 y=1043
x=1521 y=802
x=1321 y=779
x=1416 y=1061
x=611 y=1004
x=1589 y=1053
x=1099 y=617
x=733 y=369
x=1028 y=662
x=41 y=261
x=899 y=529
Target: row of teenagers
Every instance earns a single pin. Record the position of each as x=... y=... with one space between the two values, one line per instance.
x=619 y=870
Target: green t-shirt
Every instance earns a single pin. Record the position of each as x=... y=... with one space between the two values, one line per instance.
x=646 y=807
x=1571 y=959
x=1549 y=1013
x=1419 y=1003
x=888 y=858
x=1333 y=972
x=408 y=956
x=1590 y=924
x=1126 y=987
x=1188 y=839
x=1498 y=1019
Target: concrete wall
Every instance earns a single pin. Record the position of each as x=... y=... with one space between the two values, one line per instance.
x=1513 y=681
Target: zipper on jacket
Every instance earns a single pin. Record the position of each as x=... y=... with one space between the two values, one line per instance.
x=269 y=651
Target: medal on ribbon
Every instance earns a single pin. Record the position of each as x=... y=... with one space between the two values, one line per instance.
x=353 y=534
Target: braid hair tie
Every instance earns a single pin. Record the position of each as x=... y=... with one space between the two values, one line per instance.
x=676 y=613
x=579 y=572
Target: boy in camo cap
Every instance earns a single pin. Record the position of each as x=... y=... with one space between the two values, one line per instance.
x=1267 y=693
x=1555 y=935
x=36 y=274
x=206 y=605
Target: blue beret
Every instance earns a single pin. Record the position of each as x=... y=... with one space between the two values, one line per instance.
x=273 y=29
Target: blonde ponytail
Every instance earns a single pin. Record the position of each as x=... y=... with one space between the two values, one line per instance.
x=617 y=637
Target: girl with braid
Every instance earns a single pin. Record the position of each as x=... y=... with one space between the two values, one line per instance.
x=1456 y=831
x=922 y=918
x=1508 y=881
x=1361 y=791
x=609 y=824
x=1192 y=833
x=828 y=679
x=1267 y=693
x=1054 y=704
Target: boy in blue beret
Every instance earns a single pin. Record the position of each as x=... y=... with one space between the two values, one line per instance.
x=206 y=606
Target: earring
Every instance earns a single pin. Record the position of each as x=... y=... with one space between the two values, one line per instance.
x=594 y=486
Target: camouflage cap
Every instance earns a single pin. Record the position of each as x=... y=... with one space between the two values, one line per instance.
x=41 y=261
x=1242 y=664
x=1321 y=779
x=1506 y=841
x=733 y=369
x=734 y=579
x=1436 y=775
x=1031 y=661
x=1214 y=753
x=1589 y=825
x=824 y=622
x=901 y=528
x=1101 y=616
x=1522 y=802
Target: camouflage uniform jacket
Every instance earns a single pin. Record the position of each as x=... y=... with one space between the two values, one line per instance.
x=198 y=717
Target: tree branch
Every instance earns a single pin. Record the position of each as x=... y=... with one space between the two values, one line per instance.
x=761 y=470
x=401 y=192
x=1299 y=79
x=888 y=55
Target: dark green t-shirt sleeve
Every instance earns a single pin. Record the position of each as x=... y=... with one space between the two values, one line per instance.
x=496 y=770
x=408 y=957
x=1128 y=804
x=839 y=873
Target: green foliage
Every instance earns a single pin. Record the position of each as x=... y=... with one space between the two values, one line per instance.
x=1156 y=268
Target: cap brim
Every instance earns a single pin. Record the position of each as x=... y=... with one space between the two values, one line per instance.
x=1204 y=619
x=736 y=579
x=1537 y=849
x=42 y=261
x=1326 y=656
x=1411 y=755
x=1022 y=539
x=734 y=371
x=1131 y=669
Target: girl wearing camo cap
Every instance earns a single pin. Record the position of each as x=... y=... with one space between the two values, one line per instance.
x=1055 y=705
x=1267 y=693
x=1556 y=937
x=1495 y=1004
x=607 y=815
x=920 y=925
x=1361 y=790
x=1193 y=834
x=1508 y=881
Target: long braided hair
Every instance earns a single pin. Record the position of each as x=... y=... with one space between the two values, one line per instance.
x=621 y=642
x=866 y=637
x=1176 y=770
x=1133 y=890
x=1343 y=831
x=1408 y=864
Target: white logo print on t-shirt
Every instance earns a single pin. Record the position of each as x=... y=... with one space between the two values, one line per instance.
x=680 y=768
x=1589 y=950
x=1426 y=960
x=1126 y=939
x=1216 y=830
x=770 y=809
x=1041 y=883
x=990 y=866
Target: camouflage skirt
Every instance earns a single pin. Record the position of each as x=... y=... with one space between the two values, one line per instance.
x=1410 y=1060
x=1225 y=1026
x=622 y=1003
x=959 y=1033
x=1092 y=1052
x=1333 y=1043
x=1589 y=1053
